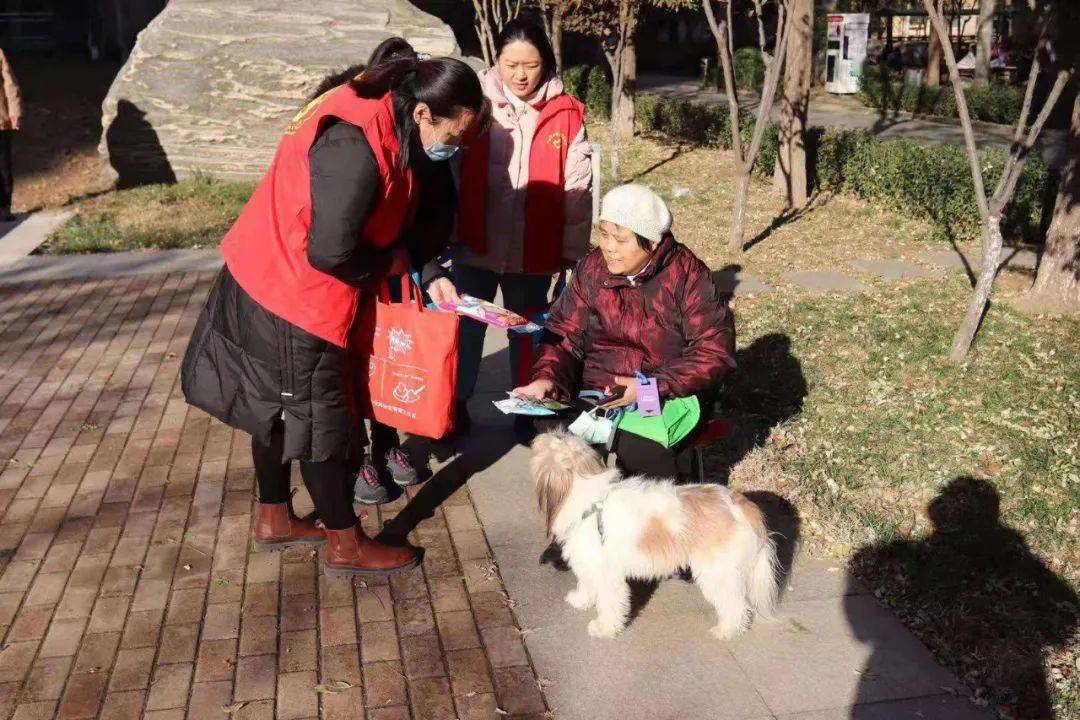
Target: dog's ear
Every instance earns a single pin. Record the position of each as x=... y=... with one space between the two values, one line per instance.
x=584 y=461
x=553 y=477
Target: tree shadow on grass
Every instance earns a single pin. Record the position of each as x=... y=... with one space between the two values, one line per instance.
x=975 y=594
x=788 y=216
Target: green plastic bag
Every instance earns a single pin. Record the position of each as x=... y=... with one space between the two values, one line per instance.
x=677 y=420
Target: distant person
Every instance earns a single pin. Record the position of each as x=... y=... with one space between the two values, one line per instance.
x=270 y=353
x=525 y=194
x=10 y=122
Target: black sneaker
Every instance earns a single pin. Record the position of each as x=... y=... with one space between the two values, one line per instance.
x=369 y=488
x=553 y=556
x=401 y=468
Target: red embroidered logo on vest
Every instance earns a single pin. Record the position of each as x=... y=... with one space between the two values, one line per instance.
x=557 y=140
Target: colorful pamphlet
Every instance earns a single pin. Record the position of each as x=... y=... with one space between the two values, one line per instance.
x=515 y=405
x=491 y=314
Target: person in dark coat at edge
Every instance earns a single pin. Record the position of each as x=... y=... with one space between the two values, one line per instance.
x=640 y=302
x=387 y=463
x=330 y=220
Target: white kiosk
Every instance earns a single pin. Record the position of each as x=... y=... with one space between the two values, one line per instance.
x=846 y=52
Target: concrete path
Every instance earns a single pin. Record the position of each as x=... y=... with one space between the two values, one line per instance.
x=847 y=112
x=25 y=233
x=37 y=268
x=833 y=653
x=54 y=267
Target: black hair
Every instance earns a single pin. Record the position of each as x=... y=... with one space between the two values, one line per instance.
x=644 y=243
x=521 y=30
x=388 y=49
x=446 y=85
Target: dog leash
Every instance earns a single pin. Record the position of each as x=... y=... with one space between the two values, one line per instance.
x=597 y=509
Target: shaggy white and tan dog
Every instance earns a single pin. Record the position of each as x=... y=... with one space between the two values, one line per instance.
x=612 y=529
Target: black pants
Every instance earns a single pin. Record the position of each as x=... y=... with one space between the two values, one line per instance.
x=635 y=455
x=329 y=482
x=7 y=174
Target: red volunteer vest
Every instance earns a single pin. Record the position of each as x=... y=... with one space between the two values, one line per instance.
x=266 y=249
x=559 y=123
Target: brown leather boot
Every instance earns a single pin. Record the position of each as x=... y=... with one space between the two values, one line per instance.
x=278 y=527
x=351 y=552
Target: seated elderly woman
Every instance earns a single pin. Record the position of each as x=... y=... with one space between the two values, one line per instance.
x=639 y=317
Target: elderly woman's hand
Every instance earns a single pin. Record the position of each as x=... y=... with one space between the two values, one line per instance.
x=536 y=390
x=629 y=392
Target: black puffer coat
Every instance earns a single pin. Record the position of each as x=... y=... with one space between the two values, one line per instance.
x=251 y=369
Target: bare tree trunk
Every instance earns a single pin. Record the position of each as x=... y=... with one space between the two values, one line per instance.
x=738 y=215
x=722 y=35
x=984 y=34
x=965 y=335
x=624 y=105
x=774 y=66
x=790 y=176
x=933 y=57
x=1057 y=285
x=556 y=36
x=552 y=15
x=991 y=209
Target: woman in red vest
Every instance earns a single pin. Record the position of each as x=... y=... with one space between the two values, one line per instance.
x=331 y=219
x=525 y=193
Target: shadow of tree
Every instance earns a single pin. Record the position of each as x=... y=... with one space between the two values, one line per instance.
x=788 y=216
x=975 y=594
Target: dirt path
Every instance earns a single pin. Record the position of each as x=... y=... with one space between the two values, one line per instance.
x=56 y=152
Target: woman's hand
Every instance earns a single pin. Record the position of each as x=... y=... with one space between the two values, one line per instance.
x=441 y=290
x=629 y=396
x=536 y=390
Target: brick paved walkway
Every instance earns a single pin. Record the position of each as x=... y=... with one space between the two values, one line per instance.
x=128 y=586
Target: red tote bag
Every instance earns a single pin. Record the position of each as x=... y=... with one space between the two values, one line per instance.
x=411 y=360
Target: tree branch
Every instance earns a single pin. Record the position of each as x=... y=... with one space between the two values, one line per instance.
x=938 y=22
x=1019 y=155
x=772 y=80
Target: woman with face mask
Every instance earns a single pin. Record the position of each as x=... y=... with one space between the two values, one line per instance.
x=640 y=306
x=386 y=463
x=525 y=193
x=329 y=221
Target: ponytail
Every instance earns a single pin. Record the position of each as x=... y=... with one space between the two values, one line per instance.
x=446 y=85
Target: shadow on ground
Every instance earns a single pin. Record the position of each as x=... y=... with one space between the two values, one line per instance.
x=766 y=388
x=975 y=594
x=135 y=151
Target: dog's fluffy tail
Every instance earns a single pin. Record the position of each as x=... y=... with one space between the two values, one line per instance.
x=763 y=583
x=763 y=586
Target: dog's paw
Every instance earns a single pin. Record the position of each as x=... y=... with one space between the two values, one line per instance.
x=727 y=632
x=578 y=599
x=602 y=629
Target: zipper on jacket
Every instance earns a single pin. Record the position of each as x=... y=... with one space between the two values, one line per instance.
x=286 y=365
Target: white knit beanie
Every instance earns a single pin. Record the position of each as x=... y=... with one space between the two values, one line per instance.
x=637 y=208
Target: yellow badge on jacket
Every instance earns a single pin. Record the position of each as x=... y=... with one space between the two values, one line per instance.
x=557 y=140
x=304 y=114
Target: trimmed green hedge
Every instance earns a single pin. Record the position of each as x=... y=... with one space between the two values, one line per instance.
x=992 y=103
x=749 y=68
x=705 y=125
x=930 y=182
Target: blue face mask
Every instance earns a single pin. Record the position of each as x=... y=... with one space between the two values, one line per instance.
x=440 y=151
